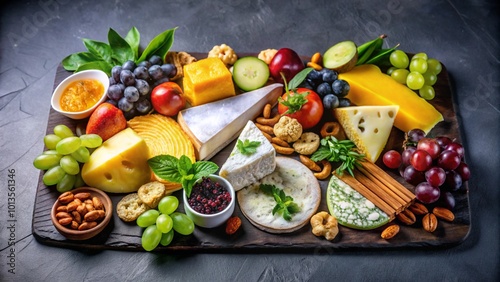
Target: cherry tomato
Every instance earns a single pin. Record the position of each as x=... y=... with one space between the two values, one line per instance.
x=167 y=99
x=302 y=104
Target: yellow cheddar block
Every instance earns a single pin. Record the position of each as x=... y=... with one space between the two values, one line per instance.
x=207 y=80
x=371 y=87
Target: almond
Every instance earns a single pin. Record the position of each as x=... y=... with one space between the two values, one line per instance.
x=97 y=203
x=390 y=232
x=82 y=195
x=66 y=197
x=443 y=213
x=429 y=222
x=87 y=225
x=61 y=215
x=418 y=209
x=65 y=220
x=91 y=216
x=407 y=217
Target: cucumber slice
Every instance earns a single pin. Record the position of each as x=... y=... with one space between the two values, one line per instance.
x=341 y=57
x=351 y=208
x=250 y=73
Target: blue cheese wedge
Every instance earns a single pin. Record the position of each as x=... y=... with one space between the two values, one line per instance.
x=212 y=126
x=244 y=169
x=368 y=127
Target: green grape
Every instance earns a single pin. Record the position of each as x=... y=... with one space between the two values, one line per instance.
x=68 y=145
x=166 y=238
x=427 y=92
x=63 y=131
x=168 y=204
x=434 y=66
x=147 y=218
x=82 y=155
x=429 y=77
x=399 y=59
x=400 y=75
x=79 y=181
x=67 y=183
x=91 y=140
x=52 y=152
x=53 y=176
x=69 y=165
x=46 y=161
x=391 y=69
x=418 y=65
x=51 y=140
x=415 y=80
x=164 y=223
x=420 y=55
x=182 y=223
x=151 y=237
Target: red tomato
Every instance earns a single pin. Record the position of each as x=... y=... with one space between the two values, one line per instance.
x=302 y=104
x=167 y=99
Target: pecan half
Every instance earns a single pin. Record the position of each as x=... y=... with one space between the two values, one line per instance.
x=390 y=232
x=429 y=222
x=443 y=213
x=418 y=209
x=407 y=217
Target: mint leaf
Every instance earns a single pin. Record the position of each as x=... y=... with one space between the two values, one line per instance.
x=247 y=147
x=298 y=78
x=284 y=204
x=165 y=166
x=204 y=168
x=184 y=165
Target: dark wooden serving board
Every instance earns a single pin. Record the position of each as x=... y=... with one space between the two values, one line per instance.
x=119 y=235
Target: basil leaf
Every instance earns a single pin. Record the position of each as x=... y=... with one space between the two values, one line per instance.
x=159 y=45
x=100 y=49
x=204 y=168
x=120 y=49
x=165 y=166
x=73 y=61
x=298 y=78
x=133 y=39
x=96 y=65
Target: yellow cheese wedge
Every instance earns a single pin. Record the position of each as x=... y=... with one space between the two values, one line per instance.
x=119 y=165
x=368 y=127
x=206 y=81
x=371 y=87
x=163 y=136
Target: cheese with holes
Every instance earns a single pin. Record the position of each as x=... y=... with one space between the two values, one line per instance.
x=212 y=126
x=206 y=81
x=370 y=87
x=119 y=165
x=368 y=127
x=241 y=169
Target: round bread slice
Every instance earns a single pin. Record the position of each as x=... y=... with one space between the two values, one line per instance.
x=297 y=181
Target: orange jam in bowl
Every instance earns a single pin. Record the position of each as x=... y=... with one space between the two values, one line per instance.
x=81 y=95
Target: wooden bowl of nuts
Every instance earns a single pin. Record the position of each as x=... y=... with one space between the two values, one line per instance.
x=82 y=213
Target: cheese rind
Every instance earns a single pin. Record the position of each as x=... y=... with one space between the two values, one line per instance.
x=242 y=170
x=368 y=127
x=213 y=126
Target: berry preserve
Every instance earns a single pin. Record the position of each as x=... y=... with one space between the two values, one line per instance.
x=209 y=197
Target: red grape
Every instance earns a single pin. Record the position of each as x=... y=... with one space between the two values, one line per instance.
x=392 y=159
x=415 y=135
x=449 y=160
x=406 y=156
x=443 y=141
x=426 y=193
x=435 y=176
x=453 y=181
x=463 y=170
x=413 y=176
x=429 y=145
x=421 y=160
x=454 y=146
x=447 y=200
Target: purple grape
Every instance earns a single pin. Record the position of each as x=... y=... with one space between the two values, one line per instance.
x=426 y=193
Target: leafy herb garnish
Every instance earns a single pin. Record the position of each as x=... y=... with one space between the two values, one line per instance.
x=181 y=170
x=284 y=203
x=343 y=151
x=247 y=147
x=294 y=102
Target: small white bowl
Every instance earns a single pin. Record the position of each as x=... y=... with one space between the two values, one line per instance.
x=87 y=74
x=216 y=219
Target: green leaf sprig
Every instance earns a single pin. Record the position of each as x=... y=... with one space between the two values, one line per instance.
x=284 y=204
x=294 y=102
x=343 y=151
x=104 y=56
x=181 y=170
x=247 y=147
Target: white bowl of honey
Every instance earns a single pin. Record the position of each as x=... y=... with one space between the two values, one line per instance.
x=78 y=95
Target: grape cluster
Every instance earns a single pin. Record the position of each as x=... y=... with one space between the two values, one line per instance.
x=160 y=224
x=432 y=165
x=130 y=85
x=418 y=74
x=329 y=87
x=61 y=162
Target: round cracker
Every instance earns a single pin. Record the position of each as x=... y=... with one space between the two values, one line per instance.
x=297 y=181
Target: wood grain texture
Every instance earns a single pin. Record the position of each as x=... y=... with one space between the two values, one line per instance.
x=119 y=235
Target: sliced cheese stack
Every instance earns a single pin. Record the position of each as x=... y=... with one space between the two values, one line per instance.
x=370 y=87
x=163 y=136
x=368 y=127
x=242 y=170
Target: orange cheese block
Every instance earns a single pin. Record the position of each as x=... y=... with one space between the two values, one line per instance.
x=206 y=81
x=163 y=136
x=371 y=87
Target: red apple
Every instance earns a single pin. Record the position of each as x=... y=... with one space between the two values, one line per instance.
x=106 y=121
x=167 y=99
x=285 y=61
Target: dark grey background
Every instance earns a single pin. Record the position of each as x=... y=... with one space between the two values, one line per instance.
x=36 y=35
